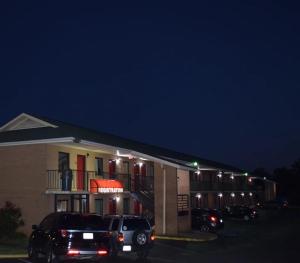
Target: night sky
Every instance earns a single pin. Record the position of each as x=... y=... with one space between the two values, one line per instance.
x=218 y=79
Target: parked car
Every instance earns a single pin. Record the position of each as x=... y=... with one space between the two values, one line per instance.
x=275 y=204
x=240 y=212
x=206 y=219
x=131 y=234
x=62 y=236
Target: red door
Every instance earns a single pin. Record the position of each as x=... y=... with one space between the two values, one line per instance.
x=143 y=177
x=137 y=206
x=112 y=206
x=80 y=171
x=112 y=169
x=136 y=171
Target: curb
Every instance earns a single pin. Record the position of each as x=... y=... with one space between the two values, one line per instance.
x=13 y=256
x=188 y=239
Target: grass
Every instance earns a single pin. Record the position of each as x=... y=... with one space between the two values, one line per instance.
x=16 y=244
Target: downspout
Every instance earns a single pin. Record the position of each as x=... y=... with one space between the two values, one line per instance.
x=164 y=200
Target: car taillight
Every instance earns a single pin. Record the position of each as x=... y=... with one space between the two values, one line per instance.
x=120 y=237
x=73 y=252
x=102 y=252
x=152 y=237
x=213 y=218
x=64 y=233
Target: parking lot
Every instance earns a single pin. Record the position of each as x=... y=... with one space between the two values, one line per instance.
x=274 y=237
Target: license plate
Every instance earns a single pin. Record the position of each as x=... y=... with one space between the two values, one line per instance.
x=88 y=236
x=126 y=248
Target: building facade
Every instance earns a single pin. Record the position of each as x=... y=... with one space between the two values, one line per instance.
x=48 y=165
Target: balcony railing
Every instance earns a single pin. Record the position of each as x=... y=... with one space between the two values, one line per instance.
x=221 y=186
x=56 y=180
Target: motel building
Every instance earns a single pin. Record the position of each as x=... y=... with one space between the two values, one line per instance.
x=48 y=165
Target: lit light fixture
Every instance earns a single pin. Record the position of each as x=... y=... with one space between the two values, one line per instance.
x=198 y=196
x=265 y=178
x=242 y=194
x=246 y=174
x=220 y=195
x=198 y=172
x=195 y=164
x=250 y=194
x=140 y=164
x=219 y=174
x=118 y=198
x=232 y=195
x=231 y=177
x=118 y=160
x=250 y=180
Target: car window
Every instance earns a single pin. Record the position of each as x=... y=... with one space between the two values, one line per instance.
x=115 y=224
x=135 y=223
x=78 y=222
x=48 y=222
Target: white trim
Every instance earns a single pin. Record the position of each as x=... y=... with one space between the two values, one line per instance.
x=19 y=120
x=54 y=140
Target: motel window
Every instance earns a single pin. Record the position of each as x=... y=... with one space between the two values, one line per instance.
x=126 y=206
x=99 y=166
x=62 y=206
x=99 y=206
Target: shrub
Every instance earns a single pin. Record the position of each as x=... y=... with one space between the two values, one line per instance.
x=10 y=220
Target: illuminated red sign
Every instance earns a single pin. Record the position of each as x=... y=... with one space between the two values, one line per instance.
x=105 y=186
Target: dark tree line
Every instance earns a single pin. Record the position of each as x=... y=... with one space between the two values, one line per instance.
x=287 y=179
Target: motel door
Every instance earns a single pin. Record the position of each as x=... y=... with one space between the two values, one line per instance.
x=80 y=171
x=136 y=171
x=112 y=206
x=112 y=169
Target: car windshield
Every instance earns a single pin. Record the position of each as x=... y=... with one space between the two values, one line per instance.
x=135 y=223
x=78 y=222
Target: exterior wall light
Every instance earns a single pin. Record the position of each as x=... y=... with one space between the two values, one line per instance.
x=231 y=177
x=198 y=172
x=195 y=164
x=250 y=180
x=140 y=164
x=220 y=195
x=246 y=174
x=219 y=174
x=232 y=195
x=198 y=196
x=118 y=198
x=250 y=194
x=118 y=160
x=242 y=194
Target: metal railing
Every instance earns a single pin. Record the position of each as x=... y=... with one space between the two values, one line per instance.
x=58 y=181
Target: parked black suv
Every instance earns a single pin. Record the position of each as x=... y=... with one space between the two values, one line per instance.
x=206 y=219
x=240 y=212
x=62 y=236
x=131 y=234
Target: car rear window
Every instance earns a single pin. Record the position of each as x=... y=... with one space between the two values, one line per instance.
x=78 y=222
x=135 y=223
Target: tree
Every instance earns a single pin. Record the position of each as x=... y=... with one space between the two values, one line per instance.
x=10 y=220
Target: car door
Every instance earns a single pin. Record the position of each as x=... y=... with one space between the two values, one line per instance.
x=45 y=232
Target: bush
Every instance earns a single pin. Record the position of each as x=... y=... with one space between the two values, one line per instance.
x=10 y=220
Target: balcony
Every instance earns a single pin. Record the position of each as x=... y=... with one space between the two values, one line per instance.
x=199 y=186
x=56 y=180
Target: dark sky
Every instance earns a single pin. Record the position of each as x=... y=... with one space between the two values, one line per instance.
x=219 y=79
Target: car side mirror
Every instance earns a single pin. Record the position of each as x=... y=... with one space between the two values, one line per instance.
x=34 y=227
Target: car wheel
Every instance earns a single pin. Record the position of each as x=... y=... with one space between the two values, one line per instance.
x=246 y=218
x=204 y=228
x=139 y=238
x=50 y=256
x=143 y=254
x=32 y=254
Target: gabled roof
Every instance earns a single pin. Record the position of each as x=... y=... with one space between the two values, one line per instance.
x=53 y=129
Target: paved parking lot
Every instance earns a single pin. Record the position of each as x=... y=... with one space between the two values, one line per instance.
x=274 y=237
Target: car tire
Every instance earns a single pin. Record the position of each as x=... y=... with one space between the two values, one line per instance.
x=140 y=238
x=246 y=217
x=32 y=253
x=204 y=228
x=50 y=256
